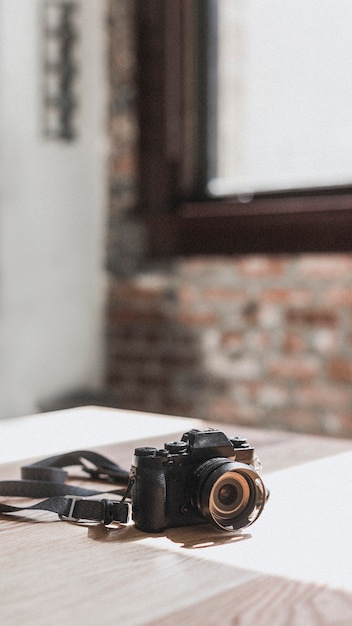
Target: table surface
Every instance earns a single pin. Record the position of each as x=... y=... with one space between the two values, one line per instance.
x=293 y=567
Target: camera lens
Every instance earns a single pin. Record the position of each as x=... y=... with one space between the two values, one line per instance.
x=229 y=492
x=230 y=495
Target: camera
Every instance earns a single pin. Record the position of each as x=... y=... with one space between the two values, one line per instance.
x=203 y=478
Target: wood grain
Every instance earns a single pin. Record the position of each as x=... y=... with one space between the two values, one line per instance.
x=266 y=601
x=269 y=575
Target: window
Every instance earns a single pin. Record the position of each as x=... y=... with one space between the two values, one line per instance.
x=194 y=200
x=281 y=95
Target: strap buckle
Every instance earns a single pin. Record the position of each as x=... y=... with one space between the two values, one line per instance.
x=70 y=517
x=115 y=512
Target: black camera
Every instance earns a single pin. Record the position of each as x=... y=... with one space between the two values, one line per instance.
x=203 y=478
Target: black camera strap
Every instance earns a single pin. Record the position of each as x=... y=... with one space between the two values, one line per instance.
x=46 y=479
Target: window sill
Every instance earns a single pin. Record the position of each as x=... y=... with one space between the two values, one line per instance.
x=316 y=223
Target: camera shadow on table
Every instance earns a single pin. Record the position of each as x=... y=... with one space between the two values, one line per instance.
x=188 y=537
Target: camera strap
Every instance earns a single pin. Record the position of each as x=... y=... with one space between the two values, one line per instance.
x=46 y=479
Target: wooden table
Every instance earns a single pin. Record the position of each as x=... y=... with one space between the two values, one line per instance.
x=293 y=567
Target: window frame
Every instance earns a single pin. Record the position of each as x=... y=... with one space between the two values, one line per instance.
x=180 y=218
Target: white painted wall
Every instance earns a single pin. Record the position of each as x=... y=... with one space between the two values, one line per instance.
x=52 y=218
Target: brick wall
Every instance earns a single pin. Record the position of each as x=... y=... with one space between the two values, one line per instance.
x=253 y=340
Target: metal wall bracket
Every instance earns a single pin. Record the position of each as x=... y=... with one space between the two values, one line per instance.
x=60 y=68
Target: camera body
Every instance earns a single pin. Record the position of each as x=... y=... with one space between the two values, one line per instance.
x=205 y=477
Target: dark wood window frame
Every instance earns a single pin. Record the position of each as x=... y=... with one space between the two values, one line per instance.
x=180 y=219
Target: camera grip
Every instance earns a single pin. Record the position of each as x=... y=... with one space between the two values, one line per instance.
x=149 y=500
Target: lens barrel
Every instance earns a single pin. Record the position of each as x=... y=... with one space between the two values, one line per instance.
x=228 y=494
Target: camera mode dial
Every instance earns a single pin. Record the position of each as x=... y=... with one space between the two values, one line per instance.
x=145 y=451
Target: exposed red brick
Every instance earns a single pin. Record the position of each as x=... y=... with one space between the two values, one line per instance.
x=338 y=296
x=319 y=394
x=269 y=395
x=262 y=266
x=297 y=368
x=129 y=291
x=198 y=266
x=312 y=317
x=188 y=295
x=287 y=295
x=325 y=266
x=343 y=426
x=232 y=340
x=301 y=420
x=225 y=410
x=294 y=343
x=223 y=294
x=257 y=339
x=340 y=369
x=197 y=319
x=124 y=164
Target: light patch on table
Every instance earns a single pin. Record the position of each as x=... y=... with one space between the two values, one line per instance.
x=309 y=506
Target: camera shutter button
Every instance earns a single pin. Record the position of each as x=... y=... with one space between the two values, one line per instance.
x=176 y=447
x=239 y=442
